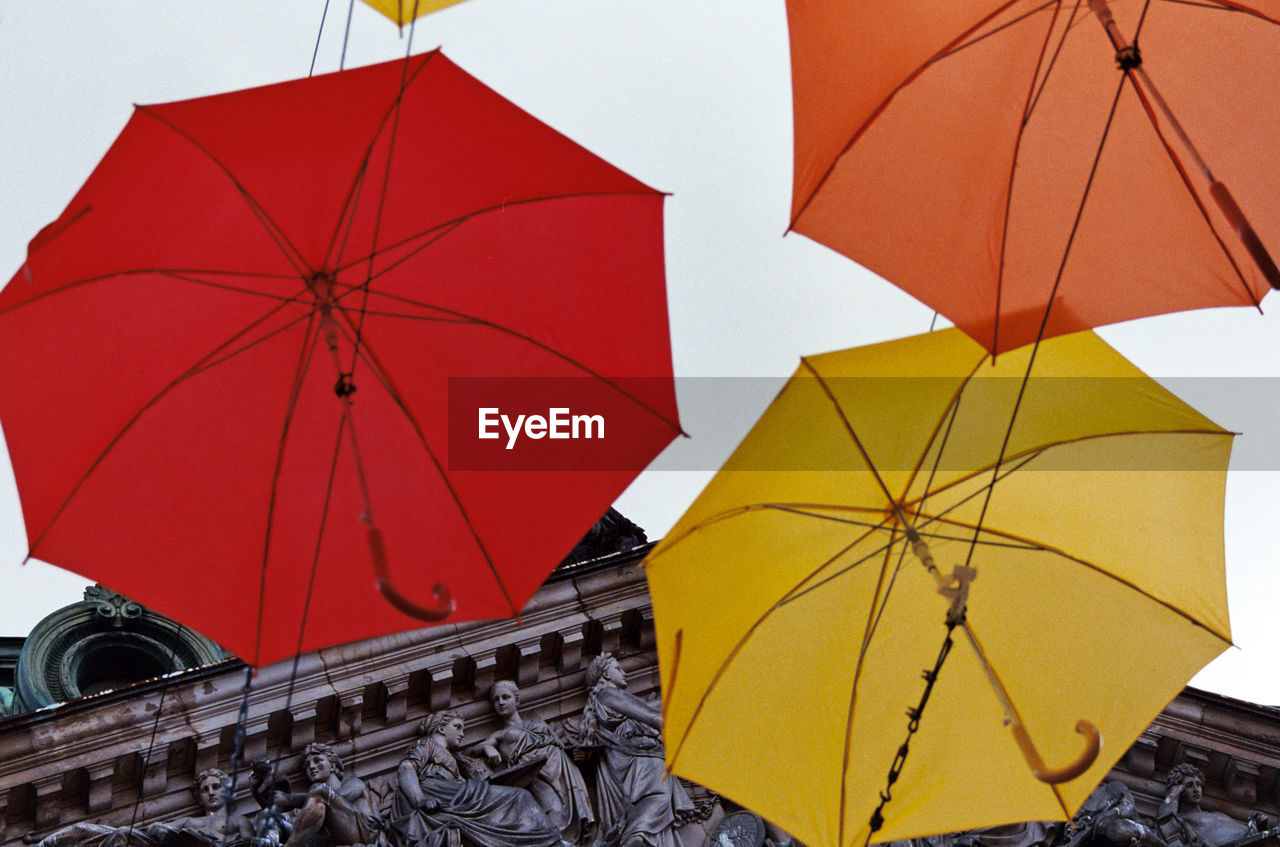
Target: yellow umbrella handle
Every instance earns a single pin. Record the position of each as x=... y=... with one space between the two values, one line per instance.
x=1092 y=743
x=445 y=603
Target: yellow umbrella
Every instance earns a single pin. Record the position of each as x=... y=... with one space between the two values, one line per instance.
x=795 y=613
x=404 y=11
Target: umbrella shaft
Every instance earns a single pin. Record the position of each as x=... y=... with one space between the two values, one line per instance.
x=1131 y=60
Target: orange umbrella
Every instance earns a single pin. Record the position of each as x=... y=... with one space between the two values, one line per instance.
x=992 y=158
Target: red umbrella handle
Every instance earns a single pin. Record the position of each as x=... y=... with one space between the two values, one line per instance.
x=443 y=597
x=1092 y=743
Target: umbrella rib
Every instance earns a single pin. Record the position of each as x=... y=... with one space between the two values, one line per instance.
x=406 y=316
x=295 y=392
x=939 y=436
x=1033 y=97
x=874 y=612
x=1186 y=181
x=395 y=110
x=290 y=253
x=1022 y=541
x=1033 y=452
x=347 y=219
x=802 y=509
x=1040 y=90
x=1053 y=292
x=884 y=104
x=1228 y=6
x=381 y=374
x=202 y=364
x=1003 y=694
x=179 y=274
x=1019 y=461
x=478 y=321
x=440 y=229
x=853 y=436
x=736 y=649
x=1035 y=10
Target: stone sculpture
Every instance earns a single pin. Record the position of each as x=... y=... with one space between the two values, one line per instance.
x=558 y=786
x=1109 y=818
x=214 y=827
x=438 y=803
x=1181 y=820
x=639 y=806
x=335 y=810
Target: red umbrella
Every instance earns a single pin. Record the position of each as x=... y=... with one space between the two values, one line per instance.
x=994 y=156
x=257 y=349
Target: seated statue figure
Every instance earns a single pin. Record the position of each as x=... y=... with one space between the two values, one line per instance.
x=1028 y=834
x=639 y=805
x=335 y=811
x=1182 y=821
x=1109 y=818
x=558 y=786
x=215 y=826
x=434 y=797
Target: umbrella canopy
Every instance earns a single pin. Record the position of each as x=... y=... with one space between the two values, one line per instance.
x=253 y=354
x=795 y=614
x=996 y=156
x=405 y=11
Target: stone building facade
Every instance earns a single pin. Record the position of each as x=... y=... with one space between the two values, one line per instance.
x=129 y=755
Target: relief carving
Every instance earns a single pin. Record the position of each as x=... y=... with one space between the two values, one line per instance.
x=335 y=810
x=558 y=785
x=639 y=806
x=440 y=800
x=1181 y=820
x=214 y=826
x=521 y=786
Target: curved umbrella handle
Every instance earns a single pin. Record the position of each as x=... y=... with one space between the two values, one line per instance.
x=1092 y=743
x=443 y=597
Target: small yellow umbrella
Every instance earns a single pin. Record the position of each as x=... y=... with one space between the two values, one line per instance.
x=797 y=602
x=405 y=11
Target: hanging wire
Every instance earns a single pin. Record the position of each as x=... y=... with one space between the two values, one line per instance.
x=1044 y=320
x=382 y=196
x=914 y=715
x=877 y=819
x=237 y=746
x=930 y=676
x=155 y=723
x=319 y=32
x=346 y=34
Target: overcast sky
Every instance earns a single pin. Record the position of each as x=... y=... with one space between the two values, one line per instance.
x=691 y=97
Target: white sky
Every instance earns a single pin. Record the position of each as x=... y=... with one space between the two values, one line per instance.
x=690 y=96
